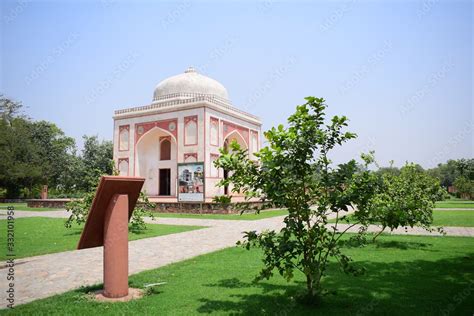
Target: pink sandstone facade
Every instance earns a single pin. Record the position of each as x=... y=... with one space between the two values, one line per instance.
x=173 y=141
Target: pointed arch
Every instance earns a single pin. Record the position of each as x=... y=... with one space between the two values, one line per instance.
x=235 y=135
x=165 y=149
x=163 y=131
x=149 y=164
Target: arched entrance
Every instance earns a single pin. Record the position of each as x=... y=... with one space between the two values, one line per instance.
x=233 y=136
x=156 y=162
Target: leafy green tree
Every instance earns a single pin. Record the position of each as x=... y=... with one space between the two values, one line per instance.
x=32 y=153
x=97 y=160
x=82 y=171
x=402 y=200
x=465 y=168
x=9 y=109
x=55 y=150
x=20 y=162
x=465 y=187
x=80 y=208
x=39 y=158
x=142 y=210
x=294 y=172
x=70 y=180
x=35 y=153
x=448 y=172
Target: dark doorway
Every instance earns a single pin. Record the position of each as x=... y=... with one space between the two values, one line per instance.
x=165 y=182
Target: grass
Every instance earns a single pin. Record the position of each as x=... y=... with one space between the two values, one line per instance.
x=453 y=218
x=455 y=204
x=248 y=216
x=441 y=218
x=24 y=207
x=245 y=216
x=39 y=235
x=452 y=203
x=457 y=200
x=406 y=275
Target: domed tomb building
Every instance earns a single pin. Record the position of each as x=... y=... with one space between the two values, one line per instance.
x=173 y=141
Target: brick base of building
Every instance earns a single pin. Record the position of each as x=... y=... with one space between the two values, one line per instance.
x=203 y=208
x=165 y=207
x=50 y=203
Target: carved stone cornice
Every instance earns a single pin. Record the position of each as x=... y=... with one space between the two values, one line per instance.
x=178 y=103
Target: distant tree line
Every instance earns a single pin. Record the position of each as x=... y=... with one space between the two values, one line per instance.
x=456 y=176
x=37 y=153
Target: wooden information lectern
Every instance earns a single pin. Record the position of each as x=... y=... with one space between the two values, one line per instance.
x=107 y=225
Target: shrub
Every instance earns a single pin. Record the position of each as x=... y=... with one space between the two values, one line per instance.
x=80 y=210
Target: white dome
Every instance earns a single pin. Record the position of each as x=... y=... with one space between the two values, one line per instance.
x=190 y=82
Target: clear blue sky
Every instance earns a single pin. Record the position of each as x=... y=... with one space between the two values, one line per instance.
x=400 y=70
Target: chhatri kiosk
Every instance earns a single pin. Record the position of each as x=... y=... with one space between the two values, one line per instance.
x=173 y=141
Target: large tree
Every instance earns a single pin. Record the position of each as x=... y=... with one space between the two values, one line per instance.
x=32 y=153
x=20 y=162
x=55 y=150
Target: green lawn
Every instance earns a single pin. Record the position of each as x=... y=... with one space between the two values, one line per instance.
x=39 y=235
x=406 y=275
x=457 y=200
x=246 y=216
x=455 y=204
x=453 y=218
x=443 y=218
x=23 y=207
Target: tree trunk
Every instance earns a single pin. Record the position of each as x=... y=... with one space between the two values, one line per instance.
x=378 y=234
x=310 y=286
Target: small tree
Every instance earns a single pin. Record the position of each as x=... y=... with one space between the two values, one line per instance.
x=402 y=200
x=80 y=209
x=294 y=172
x=142 y=209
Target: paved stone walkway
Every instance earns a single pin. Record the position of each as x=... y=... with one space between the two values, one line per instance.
x=47 y=275
x=20 y=214
x=43 y=276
